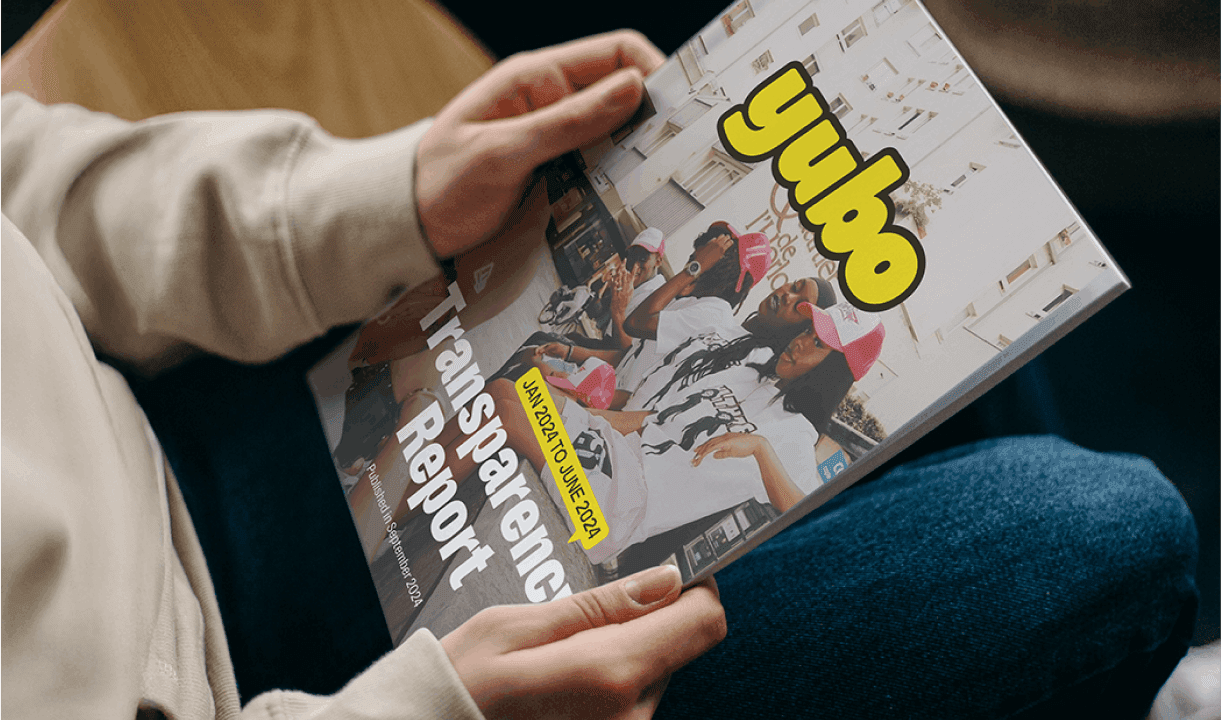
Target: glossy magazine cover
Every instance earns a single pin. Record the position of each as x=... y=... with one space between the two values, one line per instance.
x=817 y=239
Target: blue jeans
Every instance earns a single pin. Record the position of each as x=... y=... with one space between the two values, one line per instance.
x=1008 y=576
x=1020 y=574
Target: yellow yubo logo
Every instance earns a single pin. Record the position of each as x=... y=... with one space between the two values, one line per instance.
x=841 y=198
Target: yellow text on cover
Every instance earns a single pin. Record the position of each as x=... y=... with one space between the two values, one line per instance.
x=579 y=499
x=842 y=198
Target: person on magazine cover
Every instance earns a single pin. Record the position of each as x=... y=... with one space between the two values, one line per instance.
x=643 y=263
x=718 y=328
x=716 y=280
x=711 y=298
x=856 y=338
x=700 y=305
x=746 y=431
x=757 y=414
x=690 y=320
x=1004 y=577
x=629 y=284
x=671 y=329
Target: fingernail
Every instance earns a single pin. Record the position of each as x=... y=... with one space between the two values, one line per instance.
x=648 y=586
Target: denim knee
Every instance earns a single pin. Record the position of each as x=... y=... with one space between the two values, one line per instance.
x=978 y=582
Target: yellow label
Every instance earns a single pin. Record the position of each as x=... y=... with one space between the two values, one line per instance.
x=566 y=468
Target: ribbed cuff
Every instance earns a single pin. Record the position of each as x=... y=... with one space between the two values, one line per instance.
x=356 y=238
x=416 y=680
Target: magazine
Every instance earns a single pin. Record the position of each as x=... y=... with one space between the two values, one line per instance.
x=817 y=239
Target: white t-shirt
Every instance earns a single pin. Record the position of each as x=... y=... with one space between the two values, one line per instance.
x=643 y=291
x=734 y=400
x=646 y=485
x=681 y=320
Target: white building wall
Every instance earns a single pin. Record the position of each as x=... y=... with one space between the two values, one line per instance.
x=981 y=233
x=915 y=380
x=668 y=89
x=665 y=162
x=917 y=376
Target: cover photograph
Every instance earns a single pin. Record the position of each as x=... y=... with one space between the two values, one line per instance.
x=817 y=238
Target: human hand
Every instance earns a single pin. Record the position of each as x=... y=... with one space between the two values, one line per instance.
x=554 y=349
x=712 y=251
x=607 y=273
x=537 y=359
x=621 y=292
x=729 y=445
x=603 y=653
x=475 y=162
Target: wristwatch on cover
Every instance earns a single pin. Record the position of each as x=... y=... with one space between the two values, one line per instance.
x=693 y=268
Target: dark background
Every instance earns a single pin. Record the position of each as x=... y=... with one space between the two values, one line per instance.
x=1141 y=376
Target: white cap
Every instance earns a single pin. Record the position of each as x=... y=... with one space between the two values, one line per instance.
x=651 y=239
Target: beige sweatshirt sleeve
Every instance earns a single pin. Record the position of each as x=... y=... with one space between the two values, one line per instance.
x=108 y=607
x=415 y=681
x=240 y=233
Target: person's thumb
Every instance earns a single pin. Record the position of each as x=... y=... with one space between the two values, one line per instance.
x=577 y=120
x=618 y=602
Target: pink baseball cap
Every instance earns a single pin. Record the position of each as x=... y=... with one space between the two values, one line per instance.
x=651 y=239
x=858 y=335
x=754 y=253
x=593 y=383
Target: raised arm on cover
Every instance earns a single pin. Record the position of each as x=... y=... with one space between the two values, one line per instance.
x=642 y=323
x=782 y=492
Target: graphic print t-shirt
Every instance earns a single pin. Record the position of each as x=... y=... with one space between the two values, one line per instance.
x=733 y=400
x=709 y=318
